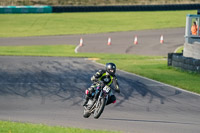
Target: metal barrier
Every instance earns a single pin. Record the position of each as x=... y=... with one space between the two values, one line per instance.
x=25 y=9
x=58 y=9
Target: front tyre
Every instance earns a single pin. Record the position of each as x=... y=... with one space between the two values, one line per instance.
x=100 y=107
x=86 y=113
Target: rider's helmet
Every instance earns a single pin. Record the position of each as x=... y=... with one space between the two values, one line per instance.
x=111 y=68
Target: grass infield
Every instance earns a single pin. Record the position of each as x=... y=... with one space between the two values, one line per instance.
x=18 y=25
x=154 y=67
x=15 y=127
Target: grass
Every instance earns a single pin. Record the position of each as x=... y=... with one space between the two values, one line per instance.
x=40 y=50
x=18 y=25
x=15 y=127
x=154 y=67
x=157 y=69
x=180 y=49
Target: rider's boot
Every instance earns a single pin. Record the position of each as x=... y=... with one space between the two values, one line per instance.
x=88 y=95
x=86 y=100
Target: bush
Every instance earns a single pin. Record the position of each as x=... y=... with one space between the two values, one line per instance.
x=94 y=2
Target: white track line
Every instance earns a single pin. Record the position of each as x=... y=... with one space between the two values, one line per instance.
x=153 y=80
x=76 y=49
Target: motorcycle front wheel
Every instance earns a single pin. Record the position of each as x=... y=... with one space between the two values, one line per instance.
x=86 y=113
x=99 y=108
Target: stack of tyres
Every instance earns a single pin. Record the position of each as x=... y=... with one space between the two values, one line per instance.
x=191 y=66
x=186 y=63
x=197 y=66
x=169 y=59
x=174 y=60
x=182 y=60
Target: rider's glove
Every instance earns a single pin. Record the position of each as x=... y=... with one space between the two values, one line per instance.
x=117 y=90
x=93 y=79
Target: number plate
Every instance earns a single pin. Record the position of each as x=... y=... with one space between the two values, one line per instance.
x=106 y=89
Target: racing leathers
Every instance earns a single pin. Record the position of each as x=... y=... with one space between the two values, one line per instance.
x=106 y=79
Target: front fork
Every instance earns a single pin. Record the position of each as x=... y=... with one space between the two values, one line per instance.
x=101 y=96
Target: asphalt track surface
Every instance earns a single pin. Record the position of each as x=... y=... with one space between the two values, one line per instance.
x=49 y=90
x=121 y=42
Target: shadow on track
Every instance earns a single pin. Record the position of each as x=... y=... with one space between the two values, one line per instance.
x=151 y=121
x=63 y=80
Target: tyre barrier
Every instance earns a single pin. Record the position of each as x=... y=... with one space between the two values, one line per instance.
x=198 y=12
x=58 y=9
x=177 y=60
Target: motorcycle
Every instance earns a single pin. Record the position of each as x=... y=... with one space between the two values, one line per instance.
x=97 y=103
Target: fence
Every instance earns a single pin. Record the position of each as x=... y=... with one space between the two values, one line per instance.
x=25 y=9
x=58 y=9
x=125 y=8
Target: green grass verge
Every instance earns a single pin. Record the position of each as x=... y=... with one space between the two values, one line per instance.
x=15 y=127
x=154 y=67
x=15 y=25
x=180 y=49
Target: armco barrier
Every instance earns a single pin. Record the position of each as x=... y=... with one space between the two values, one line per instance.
x=57 y=9
x=125 y=8
x=25 y=9
x=186 y=63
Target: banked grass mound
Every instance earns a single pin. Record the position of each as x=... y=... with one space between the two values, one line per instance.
x=18 y=25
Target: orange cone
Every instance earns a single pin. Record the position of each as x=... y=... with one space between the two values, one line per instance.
x=135 y=40
x=161 y=39
x=81 y=42
x=109 y=41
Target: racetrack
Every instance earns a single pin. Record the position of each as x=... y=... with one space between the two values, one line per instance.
x=122 y=42
x=49 y=90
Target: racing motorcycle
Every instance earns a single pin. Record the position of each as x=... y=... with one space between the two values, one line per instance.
x=98 y=102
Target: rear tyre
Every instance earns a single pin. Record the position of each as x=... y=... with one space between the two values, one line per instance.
x=100 y=107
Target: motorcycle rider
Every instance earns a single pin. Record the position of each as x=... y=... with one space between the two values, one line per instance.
x=106 y=77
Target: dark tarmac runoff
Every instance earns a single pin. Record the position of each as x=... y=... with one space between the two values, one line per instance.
x=49 y=90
